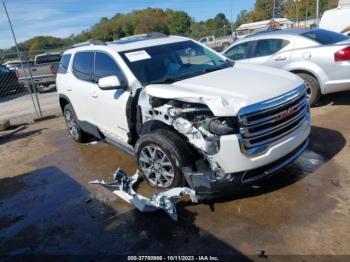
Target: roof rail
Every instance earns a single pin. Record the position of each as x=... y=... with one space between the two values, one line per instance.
x=147 y=35
x=89 y=42
x=141 y=37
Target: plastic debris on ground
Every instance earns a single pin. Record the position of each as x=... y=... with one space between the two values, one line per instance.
x=122 y=186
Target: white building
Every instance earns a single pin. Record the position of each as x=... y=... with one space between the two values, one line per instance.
x=251 y=28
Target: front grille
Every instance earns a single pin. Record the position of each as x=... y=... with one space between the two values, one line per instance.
x=264 y=123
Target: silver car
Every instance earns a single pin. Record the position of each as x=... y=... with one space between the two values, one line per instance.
x=320 y=57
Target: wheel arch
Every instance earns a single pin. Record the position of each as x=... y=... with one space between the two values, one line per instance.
x=63 y=101
x=153 y=125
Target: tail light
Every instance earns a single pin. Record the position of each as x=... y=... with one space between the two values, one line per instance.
x=17 y=73
x=52 y=69
x=342 y=55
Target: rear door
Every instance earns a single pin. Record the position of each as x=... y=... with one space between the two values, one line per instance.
x=81 y=84
x=270 y=52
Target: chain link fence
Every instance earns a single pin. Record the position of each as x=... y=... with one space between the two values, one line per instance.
x=27 y=85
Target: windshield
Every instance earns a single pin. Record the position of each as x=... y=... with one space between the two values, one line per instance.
x=172 y=62
x=325 y=37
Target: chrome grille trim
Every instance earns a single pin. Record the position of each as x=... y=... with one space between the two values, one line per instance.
x=270 y=119
x=266 y=131
x=264 y=123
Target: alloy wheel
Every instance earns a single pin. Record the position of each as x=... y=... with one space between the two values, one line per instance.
x=71 y=125
x=308 y=90
x=156 y=166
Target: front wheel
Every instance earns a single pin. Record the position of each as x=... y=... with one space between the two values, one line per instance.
x=312 y=88
x=161 y=156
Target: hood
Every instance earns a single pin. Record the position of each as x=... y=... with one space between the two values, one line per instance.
x=228 y=90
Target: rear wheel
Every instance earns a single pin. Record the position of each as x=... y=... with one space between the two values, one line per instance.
x=312 y=88
x=74 y=130
x=161 y=155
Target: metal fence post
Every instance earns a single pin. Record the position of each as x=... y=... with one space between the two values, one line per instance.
x=25 y=73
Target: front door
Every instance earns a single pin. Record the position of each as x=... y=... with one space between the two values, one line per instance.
x=109 y=106
x=240 y=52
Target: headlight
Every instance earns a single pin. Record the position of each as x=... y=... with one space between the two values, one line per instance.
x=223 y=126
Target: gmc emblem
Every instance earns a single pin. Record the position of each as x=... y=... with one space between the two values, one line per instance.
x=284 y=114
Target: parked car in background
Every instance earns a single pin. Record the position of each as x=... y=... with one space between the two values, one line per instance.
x=16 y=64
x=43 y=71
x=337 y=19
x=320 y=57
x=217 y=43
x=188 y=114
x=8 y=82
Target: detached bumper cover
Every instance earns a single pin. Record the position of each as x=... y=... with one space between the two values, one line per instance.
x=122 y=186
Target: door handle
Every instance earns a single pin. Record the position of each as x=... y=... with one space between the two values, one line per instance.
x=34 y=69
x=69 y=89
x=94 y=94
x=280 y=58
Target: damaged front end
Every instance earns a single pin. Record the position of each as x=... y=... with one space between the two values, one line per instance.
x=194 y=120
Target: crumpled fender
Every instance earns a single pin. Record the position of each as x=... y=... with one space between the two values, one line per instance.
x=220 y=106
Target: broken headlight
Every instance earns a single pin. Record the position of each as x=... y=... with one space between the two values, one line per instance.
x=223 y=126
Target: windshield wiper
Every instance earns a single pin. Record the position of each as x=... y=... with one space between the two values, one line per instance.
x=163 y=81
x=211 y=69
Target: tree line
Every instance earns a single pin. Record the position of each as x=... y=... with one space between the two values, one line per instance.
x=169 y=21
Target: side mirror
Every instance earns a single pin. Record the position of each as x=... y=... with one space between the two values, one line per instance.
x=109 y=83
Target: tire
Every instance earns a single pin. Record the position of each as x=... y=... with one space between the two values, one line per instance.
x=73 y=127
x=163 y=152
x=312 y=87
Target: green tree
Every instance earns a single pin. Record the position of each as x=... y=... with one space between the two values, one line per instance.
x=263 y=9
x=243 y=17
x=179 y=22
x=305 y=8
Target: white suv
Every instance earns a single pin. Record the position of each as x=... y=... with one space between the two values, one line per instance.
x=188 y=114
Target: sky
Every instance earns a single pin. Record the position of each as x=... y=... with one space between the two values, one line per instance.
x=61 y=18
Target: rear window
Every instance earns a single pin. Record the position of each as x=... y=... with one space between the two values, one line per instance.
x=43 y=59
x=62 y=68
x=83 y=65
x=325 y=37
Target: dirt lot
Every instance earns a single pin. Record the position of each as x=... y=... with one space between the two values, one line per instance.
x=48 y=207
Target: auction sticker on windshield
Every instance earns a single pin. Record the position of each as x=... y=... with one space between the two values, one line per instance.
x=137 y=55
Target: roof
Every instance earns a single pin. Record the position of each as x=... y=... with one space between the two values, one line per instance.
x=134 y=42
x=264 y=23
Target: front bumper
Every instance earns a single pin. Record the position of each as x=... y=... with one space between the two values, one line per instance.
x=207 y=186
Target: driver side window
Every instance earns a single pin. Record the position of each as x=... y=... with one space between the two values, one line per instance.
x=106 y=66
x=241 y=51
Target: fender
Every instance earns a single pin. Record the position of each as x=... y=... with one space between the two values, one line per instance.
x=311 y=68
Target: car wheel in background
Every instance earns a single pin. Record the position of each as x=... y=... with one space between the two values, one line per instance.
x=312 y=88
x=161 y=155
x=74 y=130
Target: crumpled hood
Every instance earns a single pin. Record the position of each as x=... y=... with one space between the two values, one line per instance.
x=228 y=90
